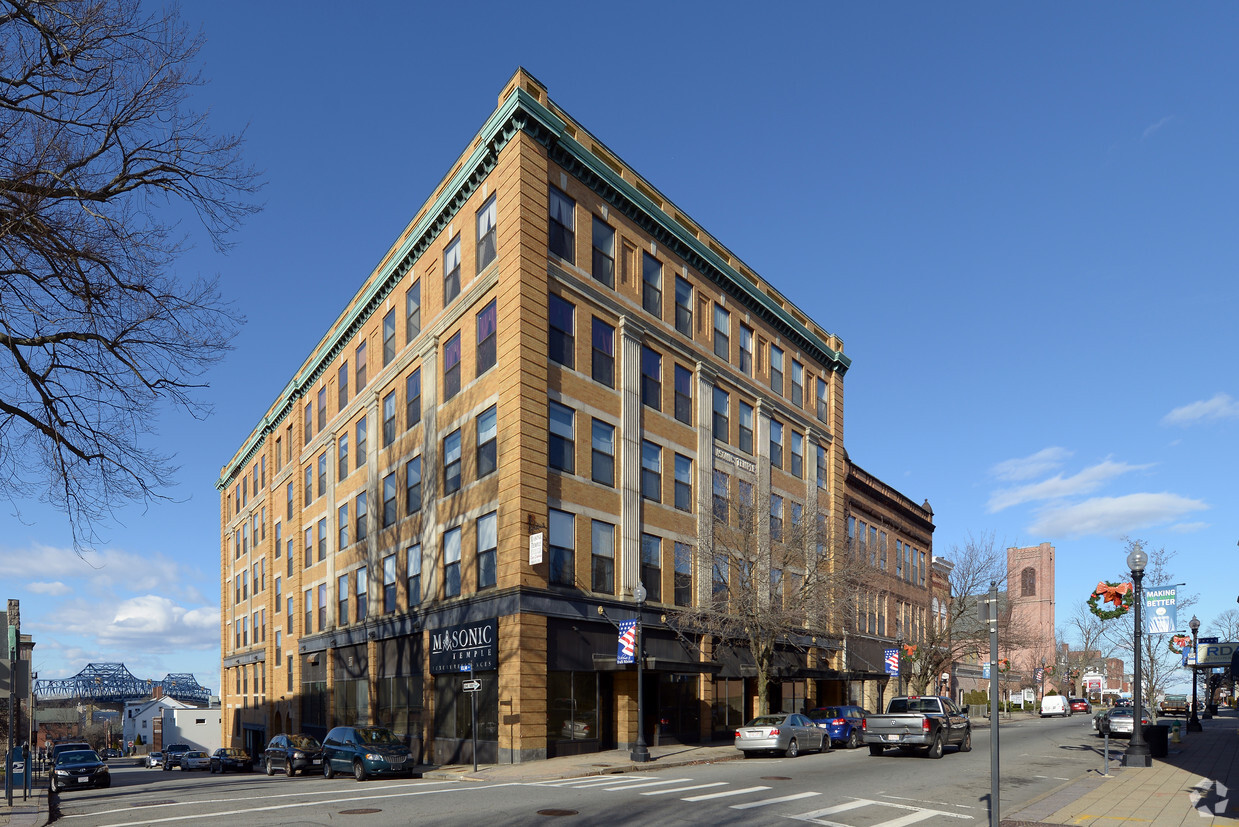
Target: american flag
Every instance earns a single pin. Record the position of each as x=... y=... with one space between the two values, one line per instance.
x=892 y=661
x=627 y=642
x=1040 y=673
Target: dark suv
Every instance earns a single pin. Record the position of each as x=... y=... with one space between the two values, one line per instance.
x=172 y=755
x=293 y=754
x=365 y=751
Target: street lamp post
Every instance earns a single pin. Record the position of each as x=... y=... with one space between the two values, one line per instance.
x=1043 y=682
x=899 y=660
x=1193 y=723
x=640 y=753
x=1137 y=754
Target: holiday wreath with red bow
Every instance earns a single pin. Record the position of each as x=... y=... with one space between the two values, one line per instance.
x=1119 y=595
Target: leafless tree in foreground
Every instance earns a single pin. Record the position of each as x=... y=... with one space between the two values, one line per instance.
x=100 y=152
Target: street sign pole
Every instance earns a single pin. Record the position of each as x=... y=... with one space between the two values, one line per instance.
x=473 y=704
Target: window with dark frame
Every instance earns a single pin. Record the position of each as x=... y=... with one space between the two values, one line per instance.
x=389 y=418
x=651 y=567
x=451 y=563
x=486 y=349
x=322 y=539
x=361 y=442
x=797 y=388
x=683 y=483
x=308 y=485
x=721 y=424
x=746 y=350
x=683 y=307
x=683 y=394
x=389 y=337
x=488 y=441
x=451 y=462
x=651 y=378
x=722 y=496
x=309 y=428
x=413 y=575
x=776 y=443
x=797 y=452
x=683 y=574
x=451 y=367
x=342 y=524
x=561 y=446
x=651 y=471
x=604 y=253
x=412 y=311
x=322 y=411
x=413 y=398
x=362 y=580
x=359 y=372
x=561 y=548
x=487 y=250
x=359 y=527
x=602 y=557
x=389 y=500
x=561 y=235
x=561 y=341
x=342 y=594
x=722 y=333
x=413 y=485
x=746 y=427
x=603 y=367
x=776 y=370
x=389 y=584
x=488 y=549
x=451 y=271
x=342 y=466
x=651 y=285
x=602 y=466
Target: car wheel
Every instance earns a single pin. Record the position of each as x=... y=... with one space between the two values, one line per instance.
x=935 y=747
x=107 y=782
x=328 y=772
x=966 y=744
x=359 y=770
x=854 y=739
x=793 y=749
x=825 y=747
x=876 y=749
x=748 y=753
x=270 y=769
x=290 y=771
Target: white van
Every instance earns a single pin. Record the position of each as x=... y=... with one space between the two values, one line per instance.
x=1055 y=705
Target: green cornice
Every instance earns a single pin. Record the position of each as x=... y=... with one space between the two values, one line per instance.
x=521 y=112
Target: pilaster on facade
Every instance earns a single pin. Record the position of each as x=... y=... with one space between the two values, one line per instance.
x=632 y=335
x=430 y=463
x=705 y=379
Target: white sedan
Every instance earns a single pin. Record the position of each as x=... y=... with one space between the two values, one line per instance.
x=195 y=760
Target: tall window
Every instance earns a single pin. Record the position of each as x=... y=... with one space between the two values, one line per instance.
x=451 y=562
x=451 y=462
x=746 y=427
x=413 y=398
x=451 y=271
x=603 y=353
x=746 y=350
x=359 y=527
x=604 y=253
x=309 y=612
x=797 y=455
x=821 y=467
x=683 y=483
x=651 y=471
x=389 y=500
x=322 y=415
x=603 y=454
x=451 y=367
x=389 y=419
x=361 y=442
x=308 y=486
x=309 y=432
x=797 y=384
x=683 y=307
x=562 y=544
x=362 y=592
x=342 y=526
x=413 y=574
x=776 y=443
x=1028 y=582
x=720 y=581
x=651 y=378
x=776 y=370
x=776 y=518
x=561 y=343
x=561 y=238
x=488 y=548
x=389 y=584
x=342 y=593
x=279 y=457
x=651 y=567
x=322 y=539
x=561 y=447
x=322 y=473
x=821 y=399
x=722 y=333
x=389 y=337
x=289 y=492
x=602 y=545
x=413 y=485
x=684 y=394
x=413 y=311
x=651 y=285
x=486 y=234
x=342 y=467
x=488 y=435
x=722 y=496
x=683 y=574
x=486 y=351
x=322 y=606
x=359 y=372
x=721 y=402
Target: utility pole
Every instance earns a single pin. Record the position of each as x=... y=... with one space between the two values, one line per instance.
x=990 y=617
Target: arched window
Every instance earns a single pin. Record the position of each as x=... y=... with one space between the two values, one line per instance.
x=1028 y=582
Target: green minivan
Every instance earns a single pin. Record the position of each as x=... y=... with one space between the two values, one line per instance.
x=365 y=751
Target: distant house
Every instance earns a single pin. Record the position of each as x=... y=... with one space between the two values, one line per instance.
x=140 y=719
x=200 y=727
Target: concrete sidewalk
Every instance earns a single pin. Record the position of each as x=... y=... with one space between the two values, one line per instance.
x=1190 y=786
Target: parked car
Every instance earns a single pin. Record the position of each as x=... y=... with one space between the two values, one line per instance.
x=781 y=732
x=195 y=759
x=366 y=751
x=155 y=759
x=1080 y=705
x=1055 y=705
x=1119 y=722
x=1175 y=705
x=929 y=723
x=112 y=753
x=76 y=768
x=228 y=758
x=842 y=723
x=172 y=755
x=293 y=754
x=68 y=746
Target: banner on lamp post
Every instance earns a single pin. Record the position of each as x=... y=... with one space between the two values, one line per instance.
x=1161 y=610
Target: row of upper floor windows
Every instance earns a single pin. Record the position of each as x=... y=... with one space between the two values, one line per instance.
x=907 y=562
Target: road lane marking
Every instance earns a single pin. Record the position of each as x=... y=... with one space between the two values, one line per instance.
x=938 y=803
x=686 y=789
x=638 y=786
x=766 y=802
x=838 y=808
x=590 y=779
x=914 y=815
x=725 y=794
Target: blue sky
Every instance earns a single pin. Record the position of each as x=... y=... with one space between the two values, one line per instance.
x=1019 y=218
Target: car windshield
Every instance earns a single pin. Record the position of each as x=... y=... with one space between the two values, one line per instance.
x=303 y=742
x=79 y=757
x=377 y=735
x=899 y=705
x=825 y=713
x=1120 y=713
x=766 y=720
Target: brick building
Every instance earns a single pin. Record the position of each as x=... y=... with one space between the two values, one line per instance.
x=527 y=409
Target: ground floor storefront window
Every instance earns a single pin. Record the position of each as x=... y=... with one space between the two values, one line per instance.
x=727 y=711
x=572 y=712
x=453 y=718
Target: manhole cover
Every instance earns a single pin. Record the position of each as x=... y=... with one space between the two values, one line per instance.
x=360 y=811
x=557 y=812
x=153 y=803
x=776 y=778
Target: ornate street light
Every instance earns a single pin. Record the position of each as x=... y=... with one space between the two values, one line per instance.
x=899 y=660
x=640 y=753
x=1193 y=723
x=1137 y=754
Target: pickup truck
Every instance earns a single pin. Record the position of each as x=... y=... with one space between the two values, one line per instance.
x=924 y=722
x=1174 y=705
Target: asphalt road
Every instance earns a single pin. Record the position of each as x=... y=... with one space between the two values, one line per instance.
x=843 y=788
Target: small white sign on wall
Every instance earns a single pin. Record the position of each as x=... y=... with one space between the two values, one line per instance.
x=535 y=549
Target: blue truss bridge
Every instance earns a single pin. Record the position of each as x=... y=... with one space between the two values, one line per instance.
x=113 y=683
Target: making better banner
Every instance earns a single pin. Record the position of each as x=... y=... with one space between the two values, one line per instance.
x=1161 y=610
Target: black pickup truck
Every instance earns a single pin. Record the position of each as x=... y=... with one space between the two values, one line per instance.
x=924 y=722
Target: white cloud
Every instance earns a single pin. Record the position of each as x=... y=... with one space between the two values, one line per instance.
x=1090 y=479
x=1025 y=468
x=1221 y=406
x=1188 y=528
x=1151 y=128
x=53 y=589
x=1113 y=516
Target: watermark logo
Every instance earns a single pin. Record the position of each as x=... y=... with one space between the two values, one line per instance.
x=1210 y=798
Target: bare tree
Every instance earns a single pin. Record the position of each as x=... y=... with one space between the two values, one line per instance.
x=100 y=152
x=772 y=584
x=1088 y=646
x=1225 y=626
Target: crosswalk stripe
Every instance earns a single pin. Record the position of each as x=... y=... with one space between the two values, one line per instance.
x=626 y=787
x=838 y=808
x=591 y=779
x=765 y=802
x=910 y=818
x=725 y=794
x=686 y=789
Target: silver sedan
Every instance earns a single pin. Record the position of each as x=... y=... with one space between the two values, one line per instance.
x=781 y=732
x=1118 y=721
